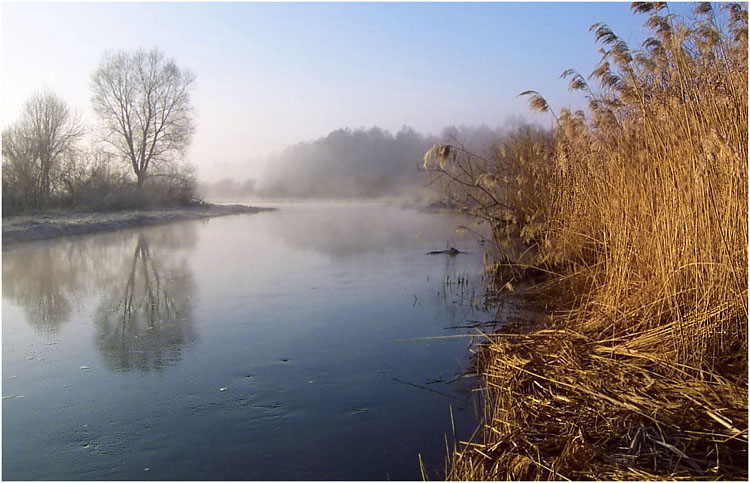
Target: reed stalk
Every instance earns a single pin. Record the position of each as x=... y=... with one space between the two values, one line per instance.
x=633 y=229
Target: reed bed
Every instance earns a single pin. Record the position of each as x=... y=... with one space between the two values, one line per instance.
x=632 y=220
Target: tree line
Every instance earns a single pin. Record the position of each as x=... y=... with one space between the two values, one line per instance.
x=141 y=99
x=361 y=163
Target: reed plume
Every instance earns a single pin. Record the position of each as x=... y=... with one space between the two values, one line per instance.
x=635 y=213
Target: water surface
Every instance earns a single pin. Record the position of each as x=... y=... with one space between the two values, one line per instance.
x=250 y=347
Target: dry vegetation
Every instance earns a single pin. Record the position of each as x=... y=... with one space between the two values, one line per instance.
x=633 y=220
x=145 y=126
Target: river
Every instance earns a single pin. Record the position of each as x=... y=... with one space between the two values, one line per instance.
x=248 y=347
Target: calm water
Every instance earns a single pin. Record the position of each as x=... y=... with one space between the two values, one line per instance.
x=244 y=347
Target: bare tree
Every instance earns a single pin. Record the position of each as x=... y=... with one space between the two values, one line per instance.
x=34 y=147
x=19 y=171
x=143 y=101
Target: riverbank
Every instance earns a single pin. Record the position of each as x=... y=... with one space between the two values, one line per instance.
x=562 y=404
x=24 y=228
x=635 y=215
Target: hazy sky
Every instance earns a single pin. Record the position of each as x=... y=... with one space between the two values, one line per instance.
x=273 y=74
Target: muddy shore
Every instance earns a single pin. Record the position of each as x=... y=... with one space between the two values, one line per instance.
x=24 y=228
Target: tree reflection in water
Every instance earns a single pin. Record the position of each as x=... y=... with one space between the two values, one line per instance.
x=41 y=289
x=145 y=324
x=144 y=317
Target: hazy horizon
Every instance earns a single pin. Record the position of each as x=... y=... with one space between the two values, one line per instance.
x=270 y=76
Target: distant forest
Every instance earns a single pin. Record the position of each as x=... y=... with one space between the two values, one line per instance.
x=352 y=164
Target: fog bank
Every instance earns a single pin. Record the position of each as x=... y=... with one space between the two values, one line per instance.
x=352 y=164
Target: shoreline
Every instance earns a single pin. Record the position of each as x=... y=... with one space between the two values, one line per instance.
x=44 y=226
x=560 y=402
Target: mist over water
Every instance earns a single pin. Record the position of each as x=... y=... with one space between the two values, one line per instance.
x=353 y=164
x=244 y=347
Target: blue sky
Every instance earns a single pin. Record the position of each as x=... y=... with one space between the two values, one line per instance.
x=273 y=74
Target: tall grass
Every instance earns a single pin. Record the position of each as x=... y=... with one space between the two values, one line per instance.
x=637 y=214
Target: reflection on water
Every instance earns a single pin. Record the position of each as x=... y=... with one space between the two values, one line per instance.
x=250 y=347
x=143 y=323
x=43 y=283
x=143 y=279
x=344 y=231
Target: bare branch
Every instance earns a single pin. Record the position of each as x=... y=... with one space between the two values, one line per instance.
x=143 y=101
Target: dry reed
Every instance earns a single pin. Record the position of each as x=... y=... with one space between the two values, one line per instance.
x=633 y=222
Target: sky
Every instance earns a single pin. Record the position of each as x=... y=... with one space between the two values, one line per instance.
x=274 y=74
